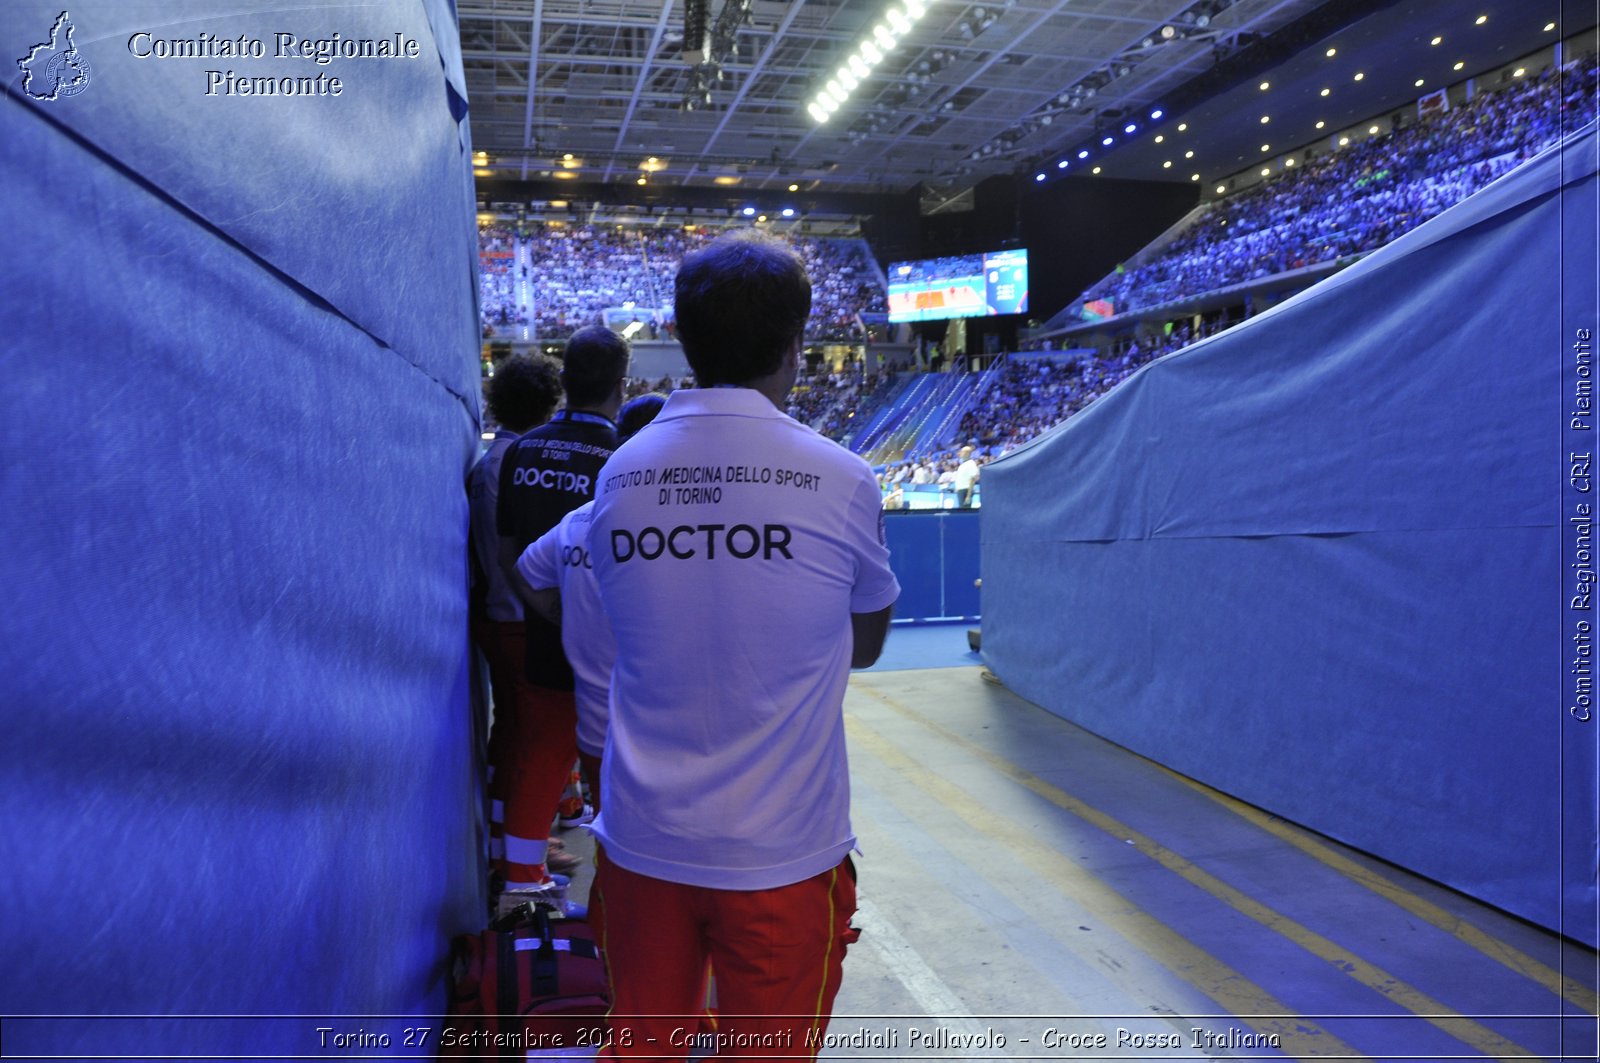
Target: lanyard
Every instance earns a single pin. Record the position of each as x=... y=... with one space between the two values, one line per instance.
x=584 y=417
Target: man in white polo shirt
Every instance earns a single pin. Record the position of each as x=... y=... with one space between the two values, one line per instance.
x=556 y=577
x=741 y=562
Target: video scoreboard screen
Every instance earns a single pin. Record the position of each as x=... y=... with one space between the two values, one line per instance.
x=993 y=282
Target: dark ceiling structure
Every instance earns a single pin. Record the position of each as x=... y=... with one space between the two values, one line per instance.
x=673 y=97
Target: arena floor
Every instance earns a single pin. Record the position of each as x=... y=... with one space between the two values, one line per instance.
x=1030 y=891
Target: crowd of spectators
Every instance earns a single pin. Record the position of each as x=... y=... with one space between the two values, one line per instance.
x=844 y=285
x=1029 y=396
x=1344 y=204
x=498 y=307
x=1363 y=196
x=830 y=401
x=579 y=271
x=1033 y=395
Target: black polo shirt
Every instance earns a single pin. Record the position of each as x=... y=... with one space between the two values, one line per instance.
x=544 y=476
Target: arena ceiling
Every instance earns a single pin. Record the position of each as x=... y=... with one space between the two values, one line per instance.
x=973 y=89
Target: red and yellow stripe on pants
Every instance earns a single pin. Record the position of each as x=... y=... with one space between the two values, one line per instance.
x=532 y=749
x=778 y=955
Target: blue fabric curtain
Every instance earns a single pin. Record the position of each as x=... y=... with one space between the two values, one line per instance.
x=240 y=396
x=1322 y=561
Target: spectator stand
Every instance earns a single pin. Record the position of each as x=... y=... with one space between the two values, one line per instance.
x=586 y=273
x=892 y=416
x=1279 y=236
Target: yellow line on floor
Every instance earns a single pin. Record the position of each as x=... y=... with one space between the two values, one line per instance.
x=1463 y=1029
x=1574 y=991
x=1234 y=992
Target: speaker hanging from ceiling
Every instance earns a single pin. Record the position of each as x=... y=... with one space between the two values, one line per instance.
x=696 y=31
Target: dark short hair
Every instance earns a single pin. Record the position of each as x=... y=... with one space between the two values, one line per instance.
x=638 y=412
x=594 y=363
x=524 y=391
x=740 y=302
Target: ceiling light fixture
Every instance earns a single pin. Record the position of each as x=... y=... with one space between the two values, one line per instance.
x=856 y=67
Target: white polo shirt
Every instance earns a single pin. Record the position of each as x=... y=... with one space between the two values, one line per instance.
x=966 y=475
x=731 y=544
x=560 y=558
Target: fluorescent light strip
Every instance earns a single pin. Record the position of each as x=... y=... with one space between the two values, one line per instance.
x=883 y=38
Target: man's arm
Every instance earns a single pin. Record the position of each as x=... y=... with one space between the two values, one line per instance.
x=545 y=601
x=868 y=632
x=509 y=552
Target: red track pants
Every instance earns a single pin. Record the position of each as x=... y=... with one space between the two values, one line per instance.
x=532 y=749
x=778 y=956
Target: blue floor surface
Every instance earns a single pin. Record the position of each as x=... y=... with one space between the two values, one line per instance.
x=913 y=646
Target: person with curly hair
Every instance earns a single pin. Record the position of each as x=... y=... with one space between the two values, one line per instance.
x=520 y=396
x=546 y=474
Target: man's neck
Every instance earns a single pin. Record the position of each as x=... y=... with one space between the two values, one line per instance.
x=607 y=409
x=775 y=387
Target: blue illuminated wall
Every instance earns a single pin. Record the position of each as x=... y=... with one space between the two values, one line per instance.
x=240 y=396
x=935 y=557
